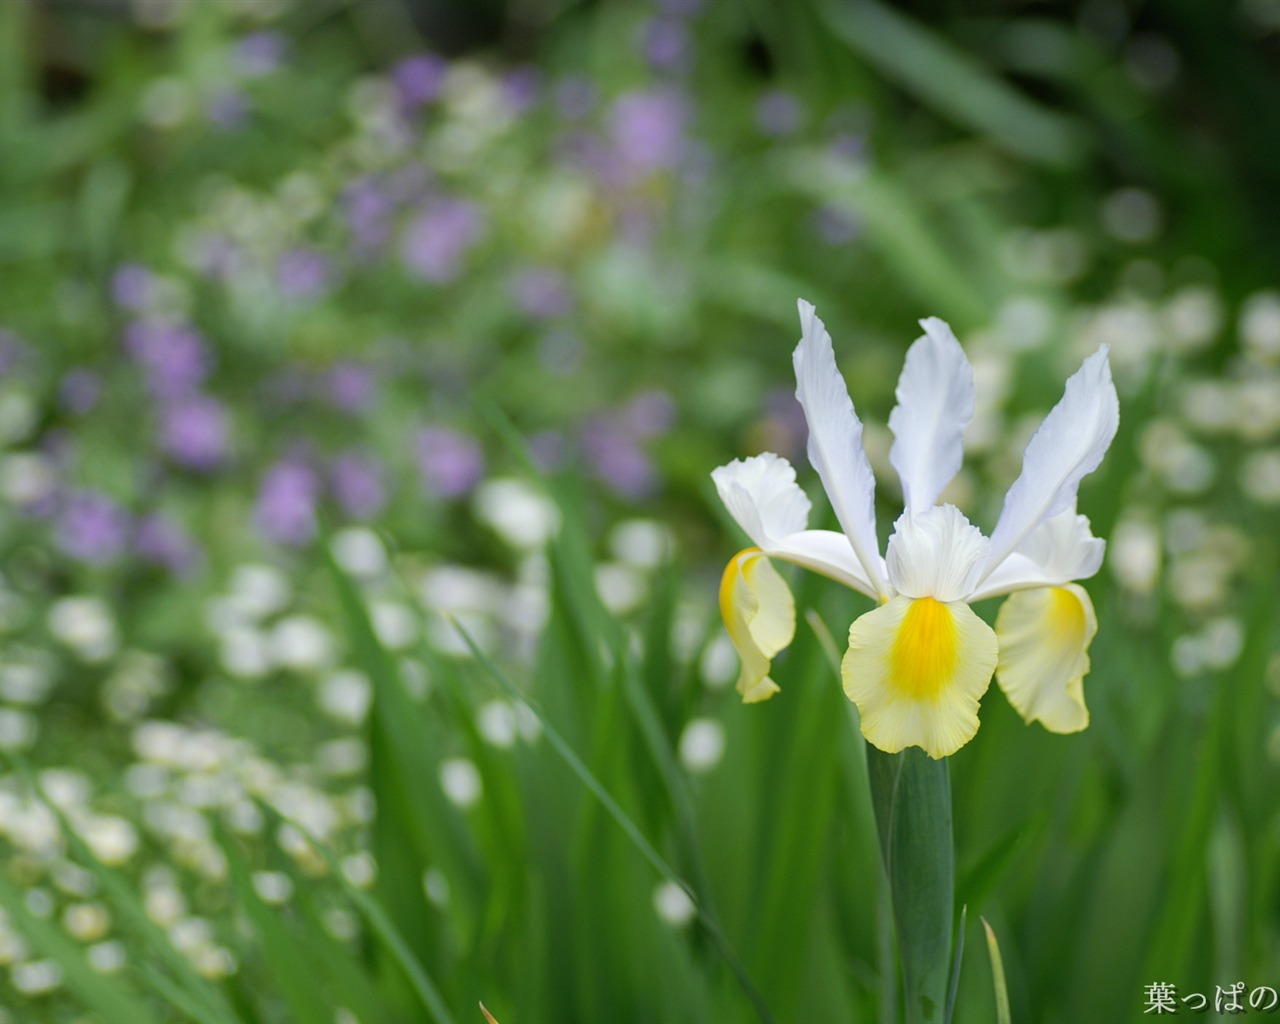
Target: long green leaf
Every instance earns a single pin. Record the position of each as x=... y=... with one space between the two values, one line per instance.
x=912 y=797
x=629 y=827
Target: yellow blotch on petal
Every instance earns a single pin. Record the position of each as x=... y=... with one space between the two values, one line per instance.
x=760 y=616
x=1044 y=637
x=916 y=669
x=923 y=656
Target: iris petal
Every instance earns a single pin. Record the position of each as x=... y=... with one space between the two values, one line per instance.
x=916 y=669
x=1044 y=638
x=760 y=616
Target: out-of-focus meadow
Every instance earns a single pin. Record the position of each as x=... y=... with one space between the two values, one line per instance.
x=362 y=365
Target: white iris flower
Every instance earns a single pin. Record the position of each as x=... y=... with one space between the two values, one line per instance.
x=919 y=663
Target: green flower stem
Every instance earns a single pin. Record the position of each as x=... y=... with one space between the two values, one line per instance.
x=911 y=794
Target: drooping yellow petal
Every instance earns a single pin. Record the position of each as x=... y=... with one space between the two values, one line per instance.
x=1044 y=638
x=760 y=615
x=916 y=669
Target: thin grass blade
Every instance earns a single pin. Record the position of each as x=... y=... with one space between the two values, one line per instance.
x=997 y=976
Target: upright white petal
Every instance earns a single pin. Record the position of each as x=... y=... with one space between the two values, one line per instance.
x=763 y=497
x=937 y=553
x=1059 y=550
x=935 y=404
x=1068 y=446
x=835 y=441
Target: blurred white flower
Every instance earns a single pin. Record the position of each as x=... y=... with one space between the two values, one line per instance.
x=360 y=552
x=1260 y=476
x=644 y=543
x=36 y=977
x=86 y=625
x=436 y=886
x=719 y=663
x=1135 y=555
x=302 y=643
x=702 y=744
x=86 y=922
x=18 y=729
x=273 y=886
x=460 y=780
x=346 y=695
x=496 y=721
x=258 y=590
x=517 y=511
x=1260 y=327
x=673 y=904
x=395 y=625
x=26 y=478
x=107 y=957
x=621 y=587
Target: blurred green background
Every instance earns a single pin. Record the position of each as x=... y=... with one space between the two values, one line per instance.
x=362 y=365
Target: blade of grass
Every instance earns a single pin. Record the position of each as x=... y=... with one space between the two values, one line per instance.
x=997 y=976
x=627 y=825
x=957 y=960
x=111 y=997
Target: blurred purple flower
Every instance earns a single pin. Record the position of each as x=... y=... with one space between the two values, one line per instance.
x=194 y=431
x=227 y=108
x=369 y=209
x=418 y=79
x=849 y=145
x=521 y=87
x=78 y=391
x=90 y=527
x=615 y=457
x=132 y=286
x=647 y=128
x=450 y=462
x=649 y=414
x=260 y=53
x=352 y=386
x=784 y=428
x=302 y=273
x=835 y=225
x=174 y=357
x=161 y=541
x=665 y=42
x=778 y=113
x=437 y=240
x=575 y=97
x=548 y=450
x=215 y=256
x=13 y=350
x=357 y=482
x=588 y=152
x=541 y=293
x=560 y=352
x=286 y=509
